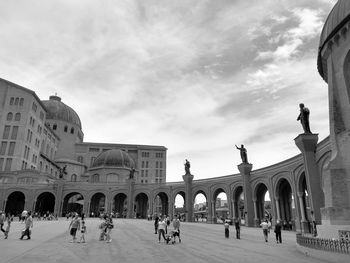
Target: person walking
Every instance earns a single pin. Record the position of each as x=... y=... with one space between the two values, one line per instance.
x=238 y=228
x=74 y=226
x=82 y=232
x=227 y=229
x=265 y=228
x=156 y=223
x=109 y=227
x=28 y=224
x=2 y=222
x=9 y=220
x=176 y=226
x=161 y=229
x=278 y=232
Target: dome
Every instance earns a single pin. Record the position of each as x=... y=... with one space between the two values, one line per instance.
x=57 y=110
x=337 y=18
x=114 y=158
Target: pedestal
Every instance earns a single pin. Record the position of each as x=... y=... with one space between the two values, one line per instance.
x=245 y=169
x=307 y=144
x=188 y=178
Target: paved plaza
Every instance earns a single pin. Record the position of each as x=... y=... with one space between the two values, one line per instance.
x=135 y=241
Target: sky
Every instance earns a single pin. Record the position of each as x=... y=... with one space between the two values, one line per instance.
x=195 y=76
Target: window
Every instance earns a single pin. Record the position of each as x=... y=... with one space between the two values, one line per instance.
x=74 y=178
x=34 y=107
x=16 y=101
x=21 y=102
x=95 y=178
x=11 y=149
x=146 y=164
x=92 y=160
x=6 y=132
x=3 y=148
x=141 y=181
x=65 y=128
x=156 y=164
x=160 y=164
x=143 y=164
x=12 y=100
x=8 y=164
x=72 y=130
x=156 y=172
x=41 y=115
x=146 y=173
x=160 y=172
x=1 y=163
x=146 y=181
x=80 y=159
x=17 y=116
x=54 y=127
x=9 y=116
x=142 y=173
x=94 y=149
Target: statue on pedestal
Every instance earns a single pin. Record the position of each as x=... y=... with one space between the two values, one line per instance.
x=243 y=152
x=62 y=171
x=187 y=167
x=304 y=118
x=132 y=172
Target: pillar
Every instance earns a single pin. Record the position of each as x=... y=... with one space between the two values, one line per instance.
x=131 y=186
x=278 y=211
x=303 y=222
x=210 y=213
x=188 y=178
x=245 y=169
x=307 y=144
x=58 y=188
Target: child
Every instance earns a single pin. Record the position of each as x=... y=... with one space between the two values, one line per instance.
x=83 y=232
x=227 y=231
x=9 y=220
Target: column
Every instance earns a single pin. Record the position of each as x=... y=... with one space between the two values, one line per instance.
x=209 y=214
x=277 y=201
x=131 y=184
x=256 y=219
x=307 y=144
x=213 y=218
x=245 y=169
x=235 y=209
x=303 y=222
x=188 y=178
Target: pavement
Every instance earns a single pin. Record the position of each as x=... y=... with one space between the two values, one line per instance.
x=134 y=241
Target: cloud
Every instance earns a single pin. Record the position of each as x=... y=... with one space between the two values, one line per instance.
x=195 y=76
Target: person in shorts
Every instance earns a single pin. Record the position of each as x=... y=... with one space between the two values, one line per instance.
x=74 y=226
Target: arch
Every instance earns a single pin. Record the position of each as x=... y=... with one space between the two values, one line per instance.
x=346 y=70
x=17 y=116
x=120 y=204
x=73 y=202
x=74 y=178
x=161 y=203
x=15 y=203
x=21 y=102
x=45 y=202
x=238 y=202
x=263 y=209
x=141 y=205
x=66 y=128
x=220 y=207
x=9 y=116
x=179 y=203
x=97 y=204
x=284 y=195
x=200 y=209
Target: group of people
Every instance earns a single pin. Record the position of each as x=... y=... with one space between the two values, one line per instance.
x=77 y=225
x=27 y=220
x=266 y=227
x=163 y=229
x=237 y=227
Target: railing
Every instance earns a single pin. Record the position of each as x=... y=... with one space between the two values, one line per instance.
x=333 y=245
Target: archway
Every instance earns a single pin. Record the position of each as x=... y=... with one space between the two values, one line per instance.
x=45 y=203
x=15 y=203
x=141 y=205
x=285 y=201
x=221 y=211
x=179 y=204
x=120 y=205
x=97 y=204
x=73 y=202
x=238 y=203
x=161 y=204
x=200 y=207
x=263 y=203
